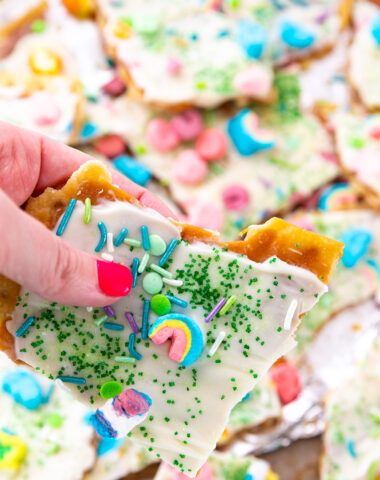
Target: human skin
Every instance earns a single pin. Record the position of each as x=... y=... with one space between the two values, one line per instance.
x=30 y=254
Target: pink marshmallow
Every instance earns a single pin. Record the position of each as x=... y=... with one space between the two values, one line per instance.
x=178 y=345
x=254 y=82
x=162 y=135
x=206 y=215
x=211 y=144
x=173 y=66
x=189 y=168
x=44 y=109
x=189 y=124
x=235 y=197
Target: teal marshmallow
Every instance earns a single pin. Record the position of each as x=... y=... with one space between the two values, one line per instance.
x=356 y=244
x=252 y=37
x=296 y=35
x=132 y=169
x=375 y=29
x=24 y=388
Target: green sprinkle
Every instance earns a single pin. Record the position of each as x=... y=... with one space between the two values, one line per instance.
x=160 y=305
x=144 y=262
x=121 y=359
x=101 y=320
x=87 y=211
x=157 y=245
x=161 y=271
x=54 y=420
x=110 y=389
x=152 y=283
x=228 y=304
x=132 y=242
x=38 y=26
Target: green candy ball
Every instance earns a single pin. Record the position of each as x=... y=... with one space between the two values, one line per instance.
x=110 y=389
x=157 y=245
x=152 y=283
x=160 y=305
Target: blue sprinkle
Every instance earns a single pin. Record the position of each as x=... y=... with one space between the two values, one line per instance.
x=252 y=38
x=350 y=445
x=145 y=320
x=194 y=37
x=113 y=326
x=103 y=237
x=66 y=217
x=375 y=29
x=295 y=35
x=107 y=445
x=75 y=380
x=145 y=237
x=177 y=301
x=246 y=397
x=118 y=240
x=48 y=394
x=102 y=426
x=168 y=252
x=357 y=242
x=24 y=327
x=24 y=388
x=132 y=169
x=131 y=347
x=223 y=33
x=89 y=130
x=135 y=267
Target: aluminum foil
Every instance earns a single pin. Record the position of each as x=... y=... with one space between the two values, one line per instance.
x=330 y=361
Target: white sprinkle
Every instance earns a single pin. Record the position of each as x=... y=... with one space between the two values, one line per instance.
x=110 y=247
x=216 y=345
x=89 y=309
x=290 y=314
x=107 y=256
x=172 y=282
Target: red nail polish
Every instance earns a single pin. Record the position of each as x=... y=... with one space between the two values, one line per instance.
x=114 y=279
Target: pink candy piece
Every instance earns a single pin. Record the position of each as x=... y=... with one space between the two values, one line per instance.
x=205 y=473
x=206 y=215
x=211 y=144
x=375 y=132
x=287 y=380
x=235 y=197
x=131 y=403
x=254 y=82
x=173 y=66
x=189 y=168
x=188 y=124
x=45 y=109
x=162 y=135
x=178 y=342
x=110 y=146
x=114 y=87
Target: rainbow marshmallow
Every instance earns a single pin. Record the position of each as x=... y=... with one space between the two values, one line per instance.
x=13 y=451
x=246 y=135
x=187 y=337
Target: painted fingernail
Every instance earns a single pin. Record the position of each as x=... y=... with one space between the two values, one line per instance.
x=114 y=279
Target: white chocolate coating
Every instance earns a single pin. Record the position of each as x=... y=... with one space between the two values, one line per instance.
x=63 y=452
x=364 y=55
x=352 y=438
x=201 y=394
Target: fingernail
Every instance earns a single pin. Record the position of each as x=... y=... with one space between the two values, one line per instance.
x=114 y=279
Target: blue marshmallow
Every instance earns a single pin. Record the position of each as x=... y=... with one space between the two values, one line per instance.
x=357 y=242
x=132 y=169
x=245 y=140
x=24 y=388
x=252 y=37
x=108 y=444
x=295 y=35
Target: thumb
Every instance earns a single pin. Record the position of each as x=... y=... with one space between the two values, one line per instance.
x=37 y=259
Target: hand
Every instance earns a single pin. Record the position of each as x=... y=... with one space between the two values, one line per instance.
x=30 y=254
